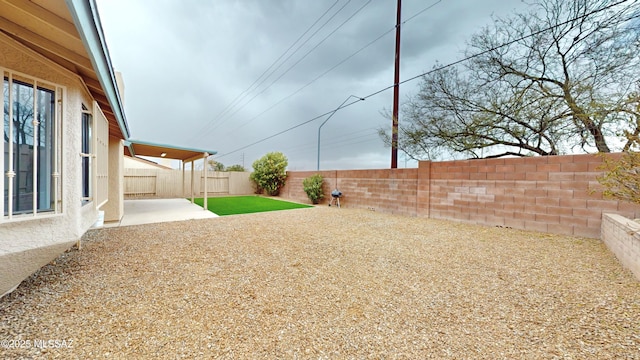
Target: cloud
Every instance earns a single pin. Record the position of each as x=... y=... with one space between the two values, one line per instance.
x=184 y=63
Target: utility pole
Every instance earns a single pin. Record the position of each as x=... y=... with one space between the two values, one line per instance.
x=396 y=92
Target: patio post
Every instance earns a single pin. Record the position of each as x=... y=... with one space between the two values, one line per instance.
x=204 y=159
x=182 y=191
x=192 y=180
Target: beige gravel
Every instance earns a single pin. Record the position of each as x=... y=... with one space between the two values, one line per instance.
x=327 y=283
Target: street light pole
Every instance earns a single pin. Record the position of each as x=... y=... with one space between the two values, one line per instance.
x=324 y=122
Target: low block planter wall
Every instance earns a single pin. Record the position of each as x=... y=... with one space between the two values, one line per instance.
x=622 y=237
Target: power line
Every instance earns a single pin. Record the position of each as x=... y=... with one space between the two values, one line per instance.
x=301 y=45
x=512 y=42
x=420 y=12
x=440 y=68
x=342 y=144
x=314 y=80
x=292 y=45
x=332 y=68
x=241 y=95
x=366 y=137
x=299 y=60
x=289 y=57
x=289 y=129
x=242 y=106
x=342 y=138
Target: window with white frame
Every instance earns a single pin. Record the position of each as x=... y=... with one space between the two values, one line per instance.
x=95 y=156
x=85 y=155
x=31 y=117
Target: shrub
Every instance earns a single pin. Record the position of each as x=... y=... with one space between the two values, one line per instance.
x=270 y=172
x=313 y=187
x=214 y=165
x=622 y=178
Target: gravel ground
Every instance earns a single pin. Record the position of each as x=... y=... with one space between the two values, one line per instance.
x=326 y=283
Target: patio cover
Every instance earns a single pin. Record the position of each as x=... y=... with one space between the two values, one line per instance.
x=184 y=154
x=146 y=148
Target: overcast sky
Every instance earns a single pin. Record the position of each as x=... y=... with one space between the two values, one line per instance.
x=184 y=62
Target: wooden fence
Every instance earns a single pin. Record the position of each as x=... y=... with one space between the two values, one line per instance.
x=152 y=183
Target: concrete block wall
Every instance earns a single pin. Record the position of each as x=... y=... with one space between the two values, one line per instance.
x=622 y=237
x=391 y=191
x=555 y=194
x=388 y=190
x=294 y=190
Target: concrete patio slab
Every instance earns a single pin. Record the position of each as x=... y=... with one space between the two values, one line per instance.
x=150 y=211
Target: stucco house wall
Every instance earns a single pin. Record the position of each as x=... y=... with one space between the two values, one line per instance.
x=38 y=240
x=68 y=133
x=114 y=208
x=137 y=163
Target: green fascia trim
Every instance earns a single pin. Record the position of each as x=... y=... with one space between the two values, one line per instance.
x=130 y=142
x=87 y=21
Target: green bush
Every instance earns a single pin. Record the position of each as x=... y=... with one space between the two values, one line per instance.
x=270 y=172
x=313 y=187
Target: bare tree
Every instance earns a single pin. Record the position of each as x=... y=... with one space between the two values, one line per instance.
x=22 y=115
x=566 y=81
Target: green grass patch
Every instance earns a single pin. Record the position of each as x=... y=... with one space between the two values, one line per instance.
x=232 y=205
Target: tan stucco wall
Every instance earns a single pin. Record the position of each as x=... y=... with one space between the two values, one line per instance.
x=13 y=269
x=114 y=208
x=26 y=245
x=131 y=163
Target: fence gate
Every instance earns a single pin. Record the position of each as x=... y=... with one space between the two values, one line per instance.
x=139 y=184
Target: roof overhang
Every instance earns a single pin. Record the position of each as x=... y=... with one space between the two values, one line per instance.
x=145 y=148
x=69 y=33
